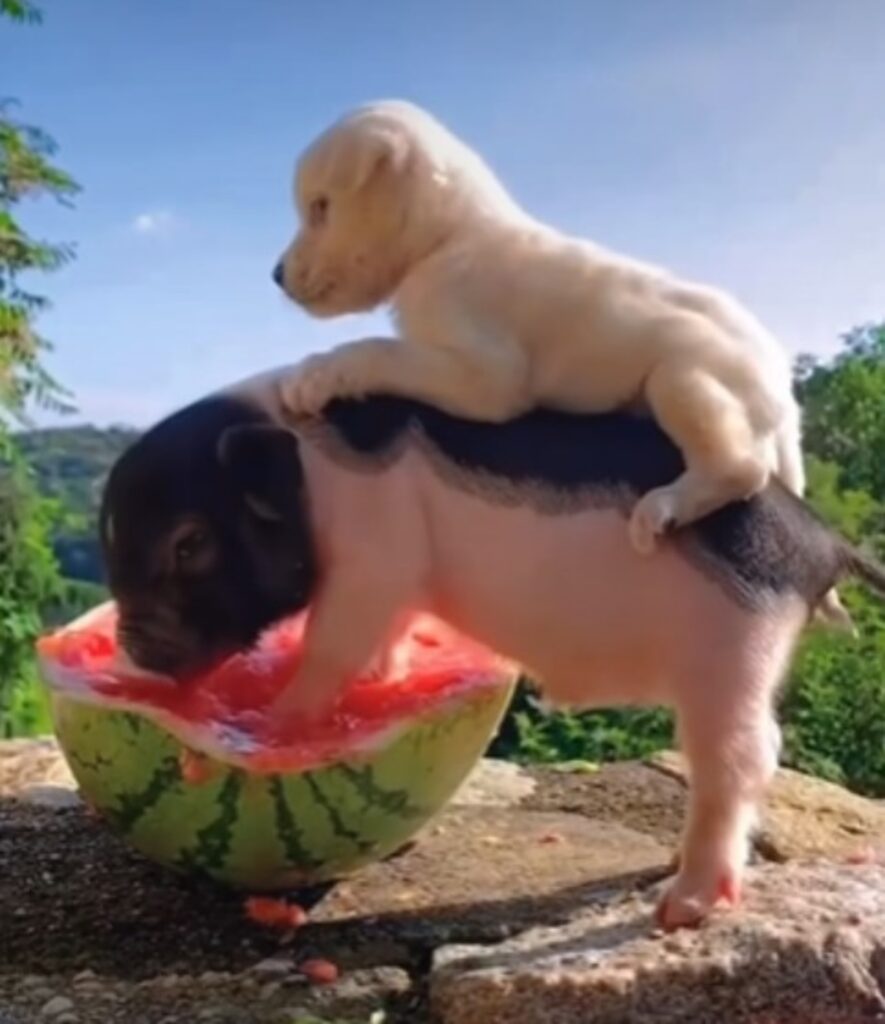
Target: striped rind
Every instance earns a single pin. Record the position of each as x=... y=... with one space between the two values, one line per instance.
x=270 y=832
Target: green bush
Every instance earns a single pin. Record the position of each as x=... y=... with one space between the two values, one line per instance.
x=28 y=578
x=529 y=735
x=833 y=709
x=27 y=713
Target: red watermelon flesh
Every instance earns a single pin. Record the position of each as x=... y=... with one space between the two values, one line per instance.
x=225 y=712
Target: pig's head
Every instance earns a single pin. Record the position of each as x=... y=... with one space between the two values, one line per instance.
x=205 y=535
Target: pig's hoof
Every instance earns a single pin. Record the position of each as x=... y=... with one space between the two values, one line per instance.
x=652 y=515
x=686 y=904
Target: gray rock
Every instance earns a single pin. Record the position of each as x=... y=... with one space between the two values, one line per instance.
x=166 y=981
x=805 y=817
x=355 y=996
x=29 y=763
x=214 y=977
x=32 y=745
x=57 y=1006
x=56 y=797
x=42 y=994
x=273 y=967
x=495 y=784
x=808 y=948
x=542 y=879
x=491 y=868
x=33 y=981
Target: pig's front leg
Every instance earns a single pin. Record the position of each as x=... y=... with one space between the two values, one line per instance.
x=350 y=622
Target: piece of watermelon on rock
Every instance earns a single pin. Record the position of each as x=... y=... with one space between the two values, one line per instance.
x=197 y=776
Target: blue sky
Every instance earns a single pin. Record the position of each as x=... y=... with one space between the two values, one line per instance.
x=741 y=142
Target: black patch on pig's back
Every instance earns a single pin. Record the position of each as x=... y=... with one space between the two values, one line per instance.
x=555 y=448
x=771 y=544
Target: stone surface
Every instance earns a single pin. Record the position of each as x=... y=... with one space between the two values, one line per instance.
x=497 y=869
x=57 y=1006
x=806 y=817
x=530 y=896
x=495 y=784
x=32 y=763
x=629 y=793
x=49 y=796
x=808 y=946
x=356 y=996
x=184 y=999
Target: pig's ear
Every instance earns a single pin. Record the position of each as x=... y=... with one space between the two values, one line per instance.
x=263 y=463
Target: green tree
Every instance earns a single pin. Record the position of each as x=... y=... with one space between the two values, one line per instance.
x=28 y=574
x=833 y=709
x=20 y=10
x=28 y=580
x=844 y=409
x=834 y=705
x=854 y=512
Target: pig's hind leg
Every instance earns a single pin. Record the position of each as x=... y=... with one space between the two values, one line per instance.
x=731 y=742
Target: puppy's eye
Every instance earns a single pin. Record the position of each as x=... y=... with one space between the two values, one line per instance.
x=318 y=211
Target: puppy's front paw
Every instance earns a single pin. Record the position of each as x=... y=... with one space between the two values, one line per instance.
x=317 y=381
x=652 y=516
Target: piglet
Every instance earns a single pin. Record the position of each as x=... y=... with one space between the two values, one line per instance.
x=227 y=516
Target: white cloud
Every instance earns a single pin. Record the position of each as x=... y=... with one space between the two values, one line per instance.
x=154 y=222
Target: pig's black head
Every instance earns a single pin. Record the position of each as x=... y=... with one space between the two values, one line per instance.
x=205 y=535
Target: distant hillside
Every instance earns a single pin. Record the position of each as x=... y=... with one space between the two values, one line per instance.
x=70 y=465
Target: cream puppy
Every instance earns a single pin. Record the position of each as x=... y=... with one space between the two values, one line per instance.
x=498 y=313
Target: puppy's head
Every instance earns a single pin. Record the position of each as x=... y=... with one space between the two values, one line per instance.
x=205 y=535
x=371 y=195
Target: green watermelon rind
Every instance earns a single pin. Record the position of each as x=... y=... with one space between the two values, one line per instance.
x=271 y=832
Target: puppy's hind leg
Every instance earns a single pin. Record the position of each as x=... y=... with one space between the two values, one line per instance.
x=725 y=459
x=789 y=464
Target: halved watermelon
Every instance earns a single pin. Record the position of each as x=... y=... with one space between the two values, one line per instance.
x=199 y=777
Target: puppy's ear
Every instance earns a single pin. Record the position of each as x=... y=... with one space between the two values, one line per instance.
x=365 y=153
x=263 y=462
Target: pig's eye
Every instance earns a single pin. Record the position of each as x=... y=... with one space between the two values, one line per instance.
x=318 y=211
x=192 y=548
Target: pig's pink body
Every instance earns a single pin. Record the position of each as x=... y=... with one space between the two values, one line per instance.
x=563 y=593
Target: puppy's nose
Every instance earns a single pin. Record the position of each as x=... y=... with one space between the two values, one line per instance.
x=278 y=272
